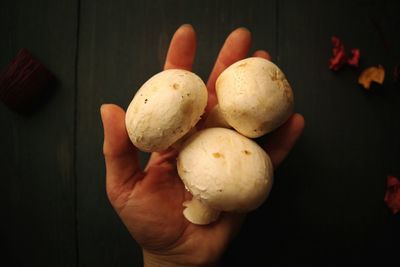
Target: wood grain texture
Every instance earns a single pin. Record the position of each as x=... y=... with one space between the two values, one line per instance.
x=37 y=190
x=121 y=45
x=326 y=207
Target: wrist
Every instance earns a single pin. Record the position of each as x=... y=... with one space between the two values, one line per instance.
x=155 y=260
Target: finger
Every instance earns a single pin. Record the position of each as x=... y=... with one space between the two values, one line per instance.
x=180 y=55
x=121 y=157
x=159 y=158
x=262 y=54
x=283 y=139
x=235 y=48
x=182 y=49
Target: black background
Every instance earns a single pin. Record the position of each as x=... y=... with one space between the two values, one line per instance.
x=326 y=207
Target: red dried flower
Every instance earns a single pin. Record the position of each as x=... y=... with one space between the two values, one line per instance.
x=355 y=57
x=392 y=196
x=396 y=73
x=339 y=57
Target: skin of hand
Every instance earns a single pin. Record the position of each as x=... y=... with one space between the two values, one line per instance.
x=149 y=202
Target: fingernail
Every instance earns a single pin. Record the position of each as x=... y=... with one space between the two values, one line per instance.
x=186 y=25
x=244 y=29
x=102 y=110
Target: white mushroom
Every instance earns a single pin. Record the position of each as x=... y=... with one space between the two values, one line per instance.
x=165 y=108
x=254 y=96
x=224 y=171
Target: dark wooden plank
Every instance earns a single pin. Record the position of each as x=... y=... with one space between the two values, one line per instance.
x=326 y=207
x=37 y=182
x=122 y=44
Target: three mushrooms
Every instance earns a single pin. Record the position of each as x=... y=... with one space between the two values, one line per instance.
x=220 y=165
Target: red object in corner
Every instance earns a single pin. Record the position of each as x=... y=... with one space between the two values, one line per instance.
x=392 y=196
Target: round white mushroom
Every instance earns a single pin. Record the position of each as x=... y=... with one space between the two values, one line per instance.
x=165 y=108
x=224 y=171
x=254 y=96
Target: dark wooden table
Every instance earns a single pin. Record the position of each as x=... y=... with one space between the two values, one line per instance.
x=326 y=207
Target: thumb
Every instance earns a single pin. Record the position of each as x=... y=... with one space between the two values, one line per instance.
x=122 y=164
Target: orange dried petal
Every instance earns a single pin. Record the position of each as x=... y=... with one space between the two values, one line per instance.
x=371 y=74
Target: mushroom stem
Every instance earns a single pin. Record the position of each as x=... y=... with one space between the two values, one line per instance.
x=198 y=212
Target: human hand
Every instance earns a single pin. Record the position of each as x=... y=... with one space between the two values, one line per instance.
x=149 y=202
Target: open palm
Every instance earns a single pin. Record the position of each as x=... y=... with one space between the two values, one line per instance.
x=149 y=201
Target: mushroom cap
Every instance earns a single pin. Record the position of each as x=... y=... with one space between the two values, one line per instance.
x=165 y=108
x=254 y=96
x=225 y=170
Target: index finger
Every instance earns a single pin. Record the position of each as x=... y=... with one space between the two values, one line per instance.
x=182 y=49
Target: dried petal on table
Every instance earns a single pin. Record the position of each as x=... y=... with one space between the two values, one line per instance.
x=355 y=57
x=392 y=196
x=339 y=57
x=371 y=74
x=338 y=54
x=396 y=73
